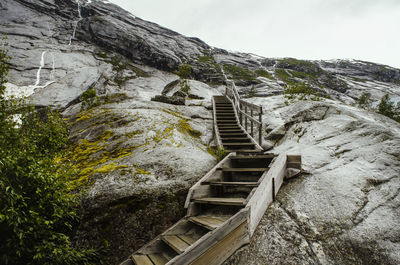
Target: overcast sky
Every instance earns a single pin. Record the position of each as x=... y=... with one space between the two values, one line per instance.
x=308 y=29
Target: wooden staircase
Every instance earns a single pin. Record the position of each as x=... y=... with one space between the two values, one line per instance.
x=223 y=210
x=226 y=205
x=228 y=130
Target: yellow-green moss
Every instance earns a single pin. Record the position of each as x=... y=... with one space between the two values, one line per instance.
x=109 y=168
x=184 y=127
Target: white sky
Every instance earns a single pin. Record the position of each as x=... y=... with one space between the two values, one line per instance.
x=305 y=29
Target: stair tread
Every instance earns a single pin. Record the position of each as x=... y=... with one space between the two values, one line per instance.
x=158 y=259
x=187 y=238
x=221 y=200
x=209 y=222
x=243 y=150
x=242 y=144
x=231 y=183
x=175 y=243
x=141 y=260
x=238 y=157
x=250 y=169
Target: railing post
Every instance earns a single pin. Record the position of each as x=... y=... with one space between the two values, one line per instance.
x=251 y=123
x=260 y=126
x=245 y=117
x=240 y=113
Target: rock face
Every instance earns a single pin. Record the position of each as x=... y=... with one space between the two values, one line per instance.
x=136 y=158
x=345 y=211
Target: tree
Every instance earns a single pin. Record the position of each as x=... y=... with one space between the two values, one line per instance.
x=365 y=100
x=183 y=71
x=387 y=108
x=37 y=210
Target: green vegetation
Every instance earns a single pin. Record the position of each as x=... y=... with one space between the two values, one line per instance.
x=301 y=91
x=37 y=210
x=185 y=87
x=183 y=71
x=209 y=60
x=221 y=153
x=387 y=108
x=252 y=92
x=284 y=76
x=240 y=73
x=264 y=73
x=295 y=62
x=89 y=99
x=206 y=59
x=365 y=101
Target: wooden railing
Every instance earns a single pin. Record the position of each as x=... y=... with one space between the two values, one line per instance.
x=250 y=115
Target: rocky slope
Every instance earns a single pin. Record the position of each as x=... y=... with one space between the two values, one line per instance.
x=136 y=158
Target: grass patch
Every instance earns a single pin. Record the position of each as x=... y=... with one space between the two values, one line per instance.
x=264 y=73
x=240 y=73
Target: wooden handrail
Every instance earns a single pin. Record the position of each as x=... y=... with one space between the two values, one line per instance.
x=255 y=110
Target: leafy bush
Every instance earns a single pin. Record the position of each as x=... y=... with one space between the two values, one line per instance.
x=89 y=99
x=252 y=92
x=37 y=211
x=365 y=100
x=387 y=108
x=185 y=87
x=221 y=153
x=183 y=71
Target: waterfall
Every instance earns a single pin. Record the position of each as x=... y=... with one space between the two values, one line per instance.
x=40 y=69
x=77 y=22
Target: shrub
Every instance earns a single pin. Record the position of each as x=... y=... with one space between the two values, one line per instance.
x=252 y=92
x=365 y=100
x=89 y=99
x=185 y=87
x=183 y=71
x=37 y=211
x=387 y=108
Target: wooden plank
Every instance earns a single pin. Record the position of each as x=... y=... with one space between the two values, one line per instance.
x=218 y=253
x=212 y=238
x=230 y=183
x=227 y=169
x=243 y=157
x=221 y=201
x=158 y=259
x=175 y=243
x=141 y=260
x=198 y=190
x=209 y=222
x=187 y=238
x=264 y=194
x=127 y=262
x=238 y=144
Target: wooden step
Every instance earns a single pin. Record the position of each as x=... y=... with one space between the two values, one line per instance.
x=238 y=144
x=158 y=259
x=228 y=126
x=252 y=169
x=187 y=238
x=209 y=222
x=230 y=183
x=227 y=135
x=227 y=122
x=245 y=157
x=221 y=201
x=177 y=244
x=226 y=114
x=242 y=150
x=141 y=260
x=235 y=139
